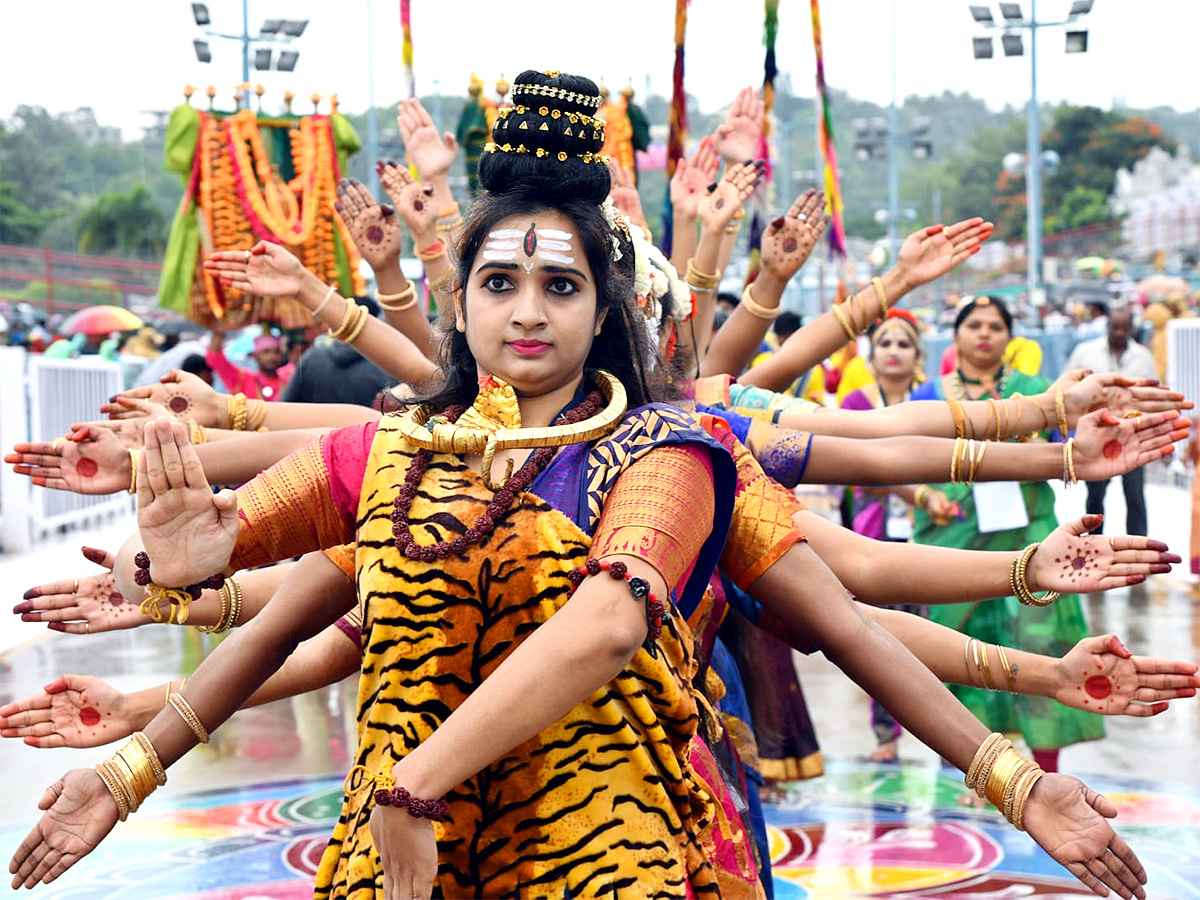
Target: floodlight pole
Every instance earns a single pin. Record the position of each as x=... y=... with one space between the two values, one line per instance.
x=1033 y=172
x=893 y=158
x=244 y=102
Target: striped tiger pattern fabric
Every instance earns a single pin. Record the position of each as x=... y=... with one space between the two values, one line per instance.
x=604 y=803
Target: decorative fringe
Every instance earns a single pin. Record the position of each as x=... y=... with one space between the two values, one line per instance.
x=406 y=47
x=836 y=233
x=677 y=135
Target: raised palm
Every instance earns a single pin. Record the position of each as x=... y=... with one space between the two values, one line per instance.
x=188 y=532
x=182 y=393
x=789 y=239
x=79 y=813
x=1100 y=675
x=1107 y=390
x=91 y=462
x=738 y=137
x=1070 y=822
x=692 y=177
x=1106 y=446
x=87 y=605
x=1071 y=560
x=717 y=208
x=375 y=229
x=71 y=711
x=432 y=153
x=933 y=251
x=413 y=200
x=269 y=270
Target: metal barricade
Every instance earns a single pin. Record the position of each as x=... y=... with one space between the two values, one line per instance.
x=1183 y=357
x=41 y=398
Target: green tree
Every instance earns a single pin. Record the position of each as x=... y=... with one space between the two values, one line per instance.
x=1081 y=206
x=18 y=223
x=129 y=224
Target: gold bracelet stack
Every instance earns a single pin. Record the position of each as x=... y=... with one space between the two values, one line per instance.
x=256 y=414
x=976 y=659
x=134 y=455
x=967 y=455
x=1020 y=587
x=1069 y=478
x=188 y=715
x=132 y=774
x=236 y=405
x=1060 y=410
x=844 y=321
x=197 y=433
x=960 y=418
x=352 y=325
x=755 y=308
x=1009 y=670
x=405 y=299
x=448 y=218
x=921 y=495
x=701 y=281
x=167 y=698
x=1002 y=775
x=444 y=285
x=231 y=609
x=877 y=283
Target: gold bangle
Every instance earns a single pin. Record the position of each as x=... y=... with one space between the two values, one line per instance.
x=219 y=625
x=1005 y=768
x=197 y=433
x=840 y=315
x=1069 y=477
x=1008 y=669
x=349 y=317
x=359 y=324
x=448 y=226
x=701 y=281
x=405 y=299
x=960 y=416
x=118 y=794
x=316 y=310
x=985 y=669
x=236 y=405
x=235 y=607
x=877 y=282
x=445 y=284
x=167 y=698
x=181 y=706
x=977 y=461
x=1060 y=410
x=981 y=762
x=451 y=210
x=921 y=495
x=756 y=309
x=256 y=414
x=1023 y=592
x=134 y=456
x=733 y=227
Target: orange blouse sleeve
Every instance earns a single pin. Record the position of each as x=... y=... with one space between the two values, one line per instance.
x=660 y=510
x=762 y=529
x=288 y=510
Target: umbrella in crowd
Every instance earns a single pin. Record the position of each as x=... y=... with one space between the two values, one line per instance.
x=100 y=320
x=1098 y=265
x=1164 y=286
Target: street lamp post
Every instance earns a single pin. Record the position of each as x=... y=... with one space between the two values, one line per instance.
x=272 y=31
x=1013 y=22
x=879 y=137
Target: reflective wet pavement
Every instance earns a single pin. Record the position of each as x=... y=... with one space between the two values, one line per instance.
x=248 y=815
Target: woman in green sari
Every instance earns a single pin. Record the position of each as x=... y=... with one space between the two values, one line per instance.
x=1004 y=516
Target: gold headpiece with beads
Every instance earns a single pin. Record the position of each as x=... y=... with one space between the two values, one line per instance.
x=545 y=90
x=542 y=152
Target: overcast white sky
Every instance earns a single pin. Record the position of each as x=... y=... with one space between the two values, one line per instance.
x=125 y=57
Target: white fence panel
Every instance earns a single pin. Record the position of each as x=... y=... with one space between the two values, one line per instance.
x=1183 y=358
x=42 y=398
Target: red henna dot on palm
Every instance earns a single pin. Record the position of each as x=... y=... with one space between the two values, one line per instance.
x=1078 y=562
x=87 y=468
x=1098 y=686
x=418 y=205
x=790 y=245
x=178 y=404
x=89 y=716
x=115 y=599
x=1112 y=449
x=375 y=234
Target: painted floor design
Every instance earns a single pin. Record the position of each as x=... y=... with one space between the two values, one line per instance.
x=860 y=831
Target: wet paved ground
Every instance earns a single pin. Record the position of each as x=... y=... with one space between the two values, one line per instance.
x=248 y=815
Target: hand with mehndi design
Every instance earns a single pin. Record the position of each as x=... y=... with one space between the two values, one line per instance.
x=739 y=136
x=123 y=407
x=789 y=239
x=1069 y=821
x=432 y=153
x=1070 y=560
x=87 y=605
x=374 y=228
x=1106 y=446
x=184 y=394
x=1084 y=391
x=91 y=461
x=933 y=251
x=692 y=177
x=414 y=201
x=269 y=270
x=720 y=204
x=1101 y=675
x=71 y=711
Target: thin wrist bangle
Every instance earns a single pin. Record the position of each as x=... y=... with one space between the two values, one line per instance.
x=755 y=308
x=881 y=294
x=405 y=299
x=133 y=466
x=324 y=300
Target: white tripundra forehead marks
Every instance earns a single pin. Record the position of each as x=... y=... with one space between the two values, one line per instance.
x=549 y=244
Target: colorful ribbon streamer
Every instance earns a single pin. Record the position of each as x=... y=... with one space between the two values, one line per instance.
x=406 y=48
x=833 y=191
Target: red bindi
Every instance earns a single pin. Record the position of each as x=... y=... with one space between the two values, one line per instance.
x=1112 y=449
x=88 y=716
x=1098 y=686
x=87 y=467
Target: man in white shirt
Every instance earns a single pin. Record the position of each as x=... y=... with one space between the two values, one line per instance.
x=1118 y=352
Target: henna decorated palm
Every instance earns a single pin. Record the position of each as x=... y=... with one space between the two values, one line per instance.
x=91 y=462
x=739 y=136
x=933 y=251
x=1106 y=446
x=267 y=269
x=1070 y=822
x=79 y=813
x=1084 y=392
x=175 y=390
x=413 y=200
x=188 y=532
x=717 y=208
x=71 y=711
x=375 y=229
x=1100 y=675
x=123 y=408
x=432 y=153
x=87 y=605
x=692 y=177
x=1070 y=560
x=789 y=239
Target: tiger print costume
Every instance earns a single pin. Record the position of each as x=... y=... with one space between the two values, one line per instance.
x=603 y=803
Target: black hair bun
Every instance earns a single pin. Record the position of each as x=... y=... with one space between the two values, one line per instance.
x=548 y=143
